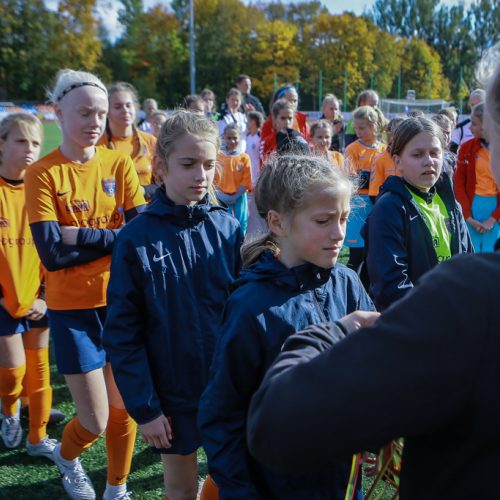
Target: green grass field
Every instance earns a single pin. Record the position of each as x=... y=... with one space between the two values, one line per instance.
x=25 y=478
x=52 y=137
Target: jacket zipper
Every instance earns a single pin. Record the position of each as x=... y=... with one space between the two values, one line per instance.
x=320 y=310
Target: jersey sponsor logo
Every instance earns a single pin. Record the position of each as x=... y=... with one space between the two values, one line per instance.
x=62 y=193
x=239 y=167
x=100 y=220
x=109 y=186
x=4 y=222
x=11 y=242
x=78 y=206
x=413 y=217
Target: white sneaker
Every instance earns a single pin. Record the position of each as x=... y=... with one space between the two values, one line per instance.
x=113 y=494
x=12 y=432
x=45 y=448
x=75 y=481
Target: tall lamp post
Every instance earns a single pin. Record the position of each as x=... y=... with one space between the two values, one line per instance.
x=192 y=61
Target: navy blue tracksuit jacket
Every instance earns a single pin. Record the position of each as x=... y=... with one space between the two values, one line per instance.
x=171 y=271
x=270 y=303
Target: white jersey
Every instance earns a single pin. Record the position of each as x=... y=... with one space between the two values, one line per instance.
x=241 y=120
x=462 y=134
x=253 y=150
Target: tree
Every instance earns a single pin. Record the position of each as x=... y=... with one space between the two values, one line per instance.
x=78 y=34
x=275 y=55
x=422 y=71
x=28 y=56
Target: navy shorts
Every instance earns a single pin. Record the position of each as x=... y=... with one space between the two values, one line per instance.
x=77 y=336
x=10 y=325
x=186 y=436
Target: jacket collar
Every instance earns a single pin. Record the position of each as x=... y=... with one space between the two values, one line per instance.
x=300 y=278
x=163 y=206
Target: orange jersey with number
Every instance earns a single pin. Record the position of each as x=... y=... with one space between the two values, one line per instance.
x=358 y=161
x=236 y=171
x=382 y=168
x=20 y=266
x=140 y=147
x=94 y=195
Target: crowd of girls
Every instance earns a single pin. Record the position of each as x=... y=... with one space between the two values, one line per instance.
x=131 y=247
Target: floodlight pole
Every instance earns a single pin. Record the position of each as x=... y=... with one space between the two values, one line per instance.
x=192 y=61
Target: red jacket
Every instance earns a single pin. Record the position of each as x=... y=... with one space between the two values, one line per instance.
x=300 y=125
x=465 y=177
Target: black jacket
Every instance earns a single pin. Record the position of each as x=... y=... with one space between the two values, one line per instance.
x=428 y=371
x=398 y=245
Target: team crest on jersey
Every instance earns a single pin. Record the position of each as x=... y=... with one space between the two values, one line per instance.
x=109 y=186
x=239 y=167
x=4 y=222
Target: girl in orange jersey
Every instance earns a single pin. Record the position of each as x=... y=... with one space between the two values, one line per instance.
x=235 y=178
x=122 y=134
x=24 y=336
x=475 y=187
x=321 y=138
x=78 y=197
x=359 y=155
x=383 y=164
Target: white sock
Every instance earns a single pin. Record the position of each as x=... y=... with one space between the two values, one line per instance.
x=63 y=461
x=113 y=491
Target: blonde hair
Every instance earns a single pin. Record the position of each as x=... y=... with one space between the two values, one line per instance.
x=330 y=98
x=373 y=116
x=183 y=122
x=68 y=80
x=320 y=124
x=285 y=186
x=26 y=122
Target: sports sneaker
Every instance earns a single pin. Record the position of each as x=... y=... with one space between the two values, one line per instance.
x=122 y=495
x=45 y=448
x=75 y=481
x=12 y=432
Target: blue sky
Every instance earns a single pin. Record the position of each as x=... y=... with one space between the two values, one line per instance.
x=108 y=9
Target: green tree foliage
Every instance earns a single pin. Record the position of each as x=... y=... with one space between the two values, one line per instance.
x=422 y=71
x=27 y=48
x=426 y=41
x=151 y=53
x=459 y=33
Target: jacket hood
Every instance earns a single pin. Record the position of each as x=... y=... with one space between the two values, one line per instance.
x=162 y=206
x=268 y=268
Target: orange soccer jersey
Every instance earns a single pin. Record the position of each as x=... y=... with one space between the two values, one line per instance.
x=358 y=161
x=336 y=158
x=140 y=146
x=92 y=195
x=20 y=267
x=485 y=183
x=236 y=171
x=382 y=168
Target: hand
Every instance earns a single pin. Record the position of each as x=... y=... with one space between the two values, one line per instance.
x=157 y=433
x=249 y=107
x=37 y=311
x=359 y=319
x=69 y=234
x=489 y=223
